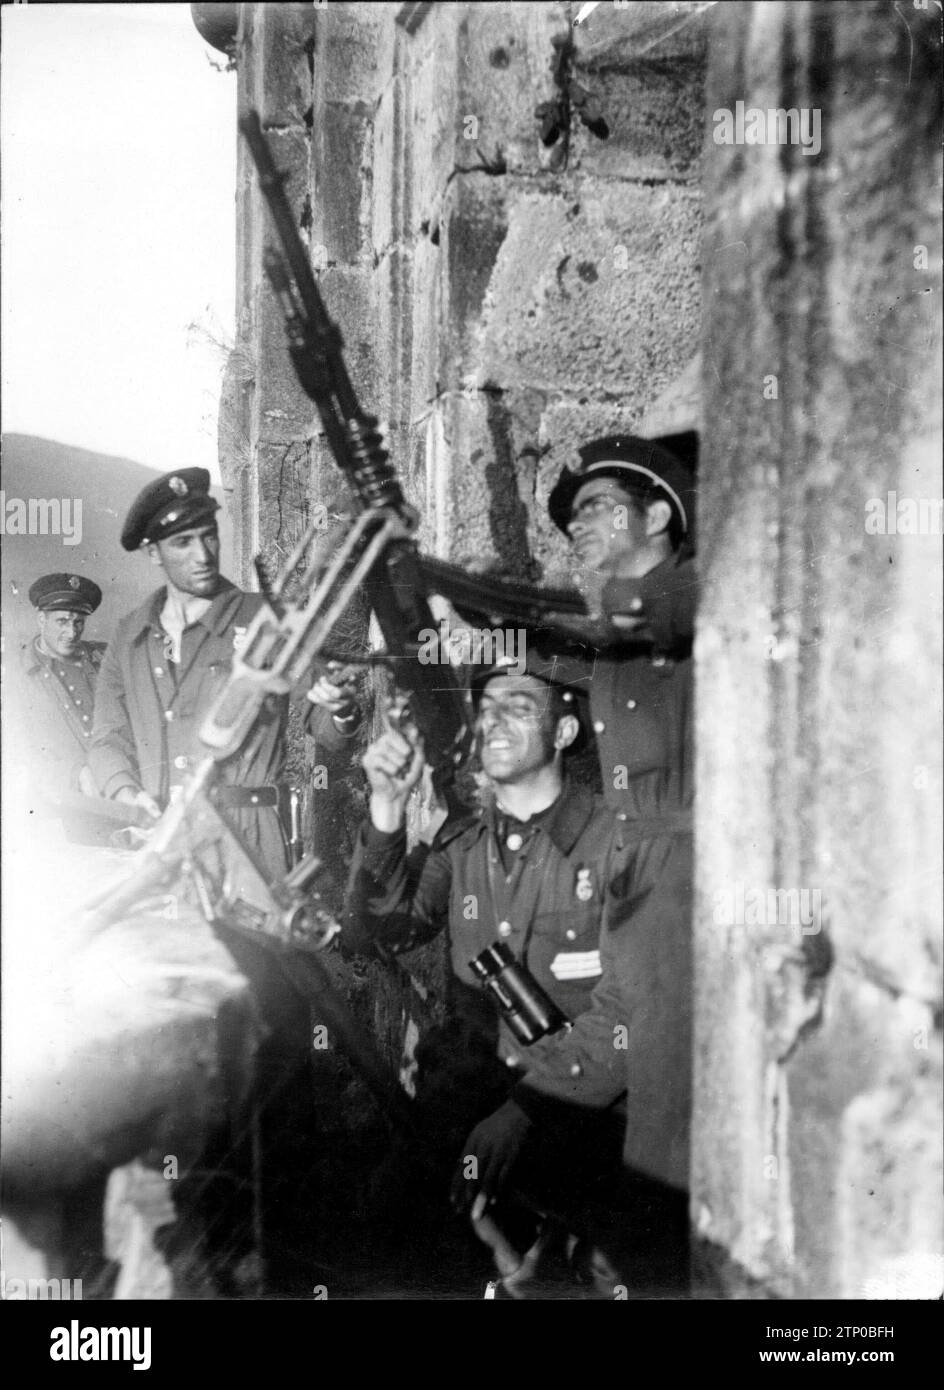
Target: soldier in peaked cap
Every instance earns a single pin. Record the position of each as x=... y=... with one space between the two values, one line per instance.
x=628 y=512
x=169 y=660
x=61 y=670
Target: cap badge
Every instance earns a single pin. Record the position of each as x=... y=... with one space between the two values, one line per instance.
x=74 y=581
x=584 y=886
x=177 y=486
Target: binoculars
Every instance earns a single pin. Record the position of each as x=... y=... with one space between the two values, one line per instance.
x=529 y=1012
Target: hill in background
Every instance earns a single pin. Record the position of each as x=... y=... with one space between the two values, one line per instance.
x=107 y=485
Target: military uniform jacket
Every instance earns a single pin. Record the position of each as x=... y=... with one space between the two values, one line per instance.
x=636 y=1034
x=54 y=706
x=641 y=693
x=567 y=881
x=148 y=709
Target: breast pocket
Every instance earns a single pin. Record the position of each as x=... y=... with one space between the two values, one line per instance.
x=565 y=946
x=213 y=676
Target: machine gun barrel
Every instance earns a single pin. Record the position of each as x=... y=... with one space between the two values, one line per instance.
x=394 y=581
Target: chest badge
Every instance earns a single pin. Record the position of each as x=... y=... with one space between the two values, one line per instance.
x=584 y=889
x=239 y=638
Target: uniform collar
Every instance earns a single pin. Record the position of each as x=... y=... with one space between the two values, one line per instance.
x=216 y=619
x=564 y=825
x=35 y=660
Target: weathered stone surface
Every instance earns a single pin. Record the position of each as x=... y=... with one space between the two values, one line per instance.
x=341 y=187
x=869 y=1077
x=280 y=74
x=527 y=271
x=355 y=46
x=483 y=449
x=653 y=112
x=504 y=73
x=819 y=643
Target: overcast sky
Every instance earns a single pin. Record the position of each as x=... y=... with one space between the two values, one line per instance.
x=118 y=179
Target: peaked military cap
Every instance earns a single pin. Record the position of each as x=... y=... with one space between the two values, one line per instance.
x=172 y=503
x=552 y=670
x=69 y=593
x=641 y=465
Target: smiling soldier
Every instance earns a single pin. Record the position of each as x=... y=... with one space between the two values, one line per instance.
x=538 y=871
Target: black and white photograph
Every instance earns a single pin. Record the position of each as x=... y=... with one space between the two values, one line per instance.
x=472 y=706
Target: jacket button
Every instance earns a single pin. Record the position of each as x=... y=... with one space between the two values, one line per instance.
x=504 y=929
x=630 y=704
x=570 y=934
x=514 y=841
x=658 y=661
x=168 y=715
x=158 y=670
x=254 y=801
x=598 y=726
x=85 y=718
x=576 y=1069
x=181 y=762
x=511 y=1061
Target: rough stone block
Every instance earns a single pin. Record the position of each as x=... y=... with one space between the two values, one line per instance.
x=281 y=409
x=281 y=63
x=341 y=186
x=590 y=297
x=393 y=282
x=505 y=72
x=390 y=182
x=354 y=50
x=350 y=301
x=472 y=239
x=429 y=119
x=427 y=288
x=864 y=1154
x=480 y=467
x=654 y=113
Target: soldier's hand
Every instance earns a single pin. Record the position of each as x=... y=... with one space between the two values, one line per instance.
x=129 y=797
x=335 y=691
x=488 y=1156
x=393 y=764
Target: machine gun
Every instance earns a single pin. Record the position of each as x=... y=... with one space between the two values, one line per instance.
x=379 y=554
x=396 y=578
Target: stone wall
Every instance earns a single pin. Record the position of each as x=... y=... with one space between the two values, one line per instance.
x=817 y=1126
x=501 y=298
